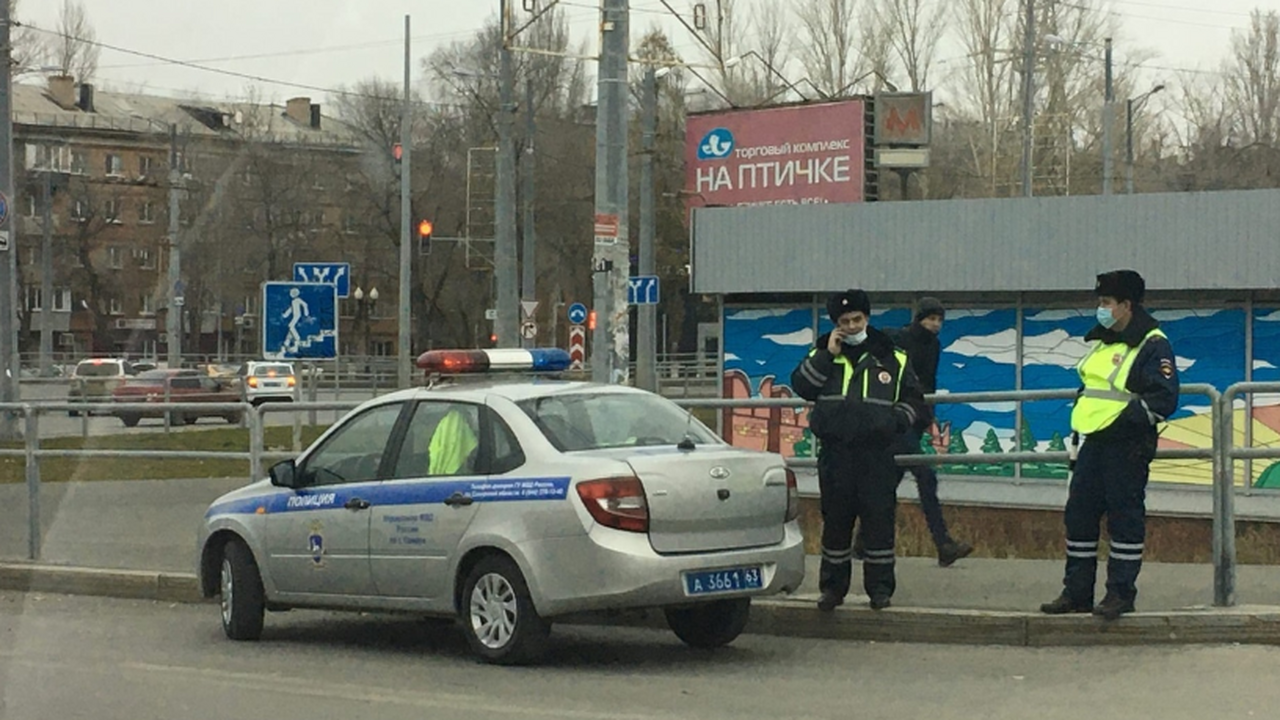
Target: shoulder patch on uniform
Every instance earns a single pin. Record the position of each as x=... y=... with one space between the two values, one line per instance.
x=1166 y=367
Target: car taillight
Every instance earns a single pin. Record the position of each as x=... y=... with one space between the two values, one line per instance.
x=793 y=496
x=616 y=502
x=252 y=382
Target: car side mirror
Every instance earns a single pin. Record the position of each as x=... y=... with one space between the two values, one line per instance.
x=284 y=474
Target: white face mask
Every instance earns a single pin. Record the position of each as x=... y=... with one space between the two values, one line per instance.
x=856 y=339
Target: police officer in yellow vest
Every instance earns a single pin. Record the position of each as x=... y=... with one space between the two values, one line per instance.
x=865 y=395
x=1130 y=386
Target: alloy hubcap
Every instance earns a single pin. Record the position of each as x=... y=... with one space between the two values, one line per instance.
x=228 y=590
x=493 y=611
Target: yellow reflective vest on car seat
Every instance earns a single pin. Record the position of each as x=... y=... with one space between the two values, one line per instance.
x=451 y=445
x=1104 y=372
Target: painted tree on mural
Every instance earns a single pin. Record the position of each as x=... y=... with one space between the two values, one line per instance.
x=991 y=443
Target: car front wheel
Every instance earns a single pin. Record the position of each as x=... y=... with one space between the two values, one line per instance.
x=498 y=616
x=130 y=420
x=710 y=625
x=243 y=601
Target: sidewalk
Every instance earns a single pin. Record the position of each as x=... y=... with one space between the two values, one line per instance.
x=137 y=539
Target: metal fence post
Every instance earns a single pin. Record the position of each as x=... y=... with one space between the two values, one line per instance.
x=32 y=445
x=1224 y=531
x=255 y=442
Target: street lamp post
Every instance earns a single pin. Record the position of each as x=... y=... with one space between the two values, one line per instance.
x=362 y=317
x=1132 y=105
x=646 y=336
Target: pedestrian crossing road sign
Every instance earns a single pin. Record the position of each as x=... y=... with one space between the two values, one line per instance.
x=299 y=321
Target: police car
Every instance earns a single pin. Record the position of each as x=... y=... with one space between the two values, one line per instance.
x=507 y=503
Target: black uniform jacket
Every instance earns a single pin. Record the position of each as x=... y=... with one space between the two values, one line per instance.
x=1153 y=377
x=889 y=408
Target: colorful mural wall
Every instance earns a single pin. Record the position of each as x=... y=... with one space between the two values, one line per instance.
x=763 y=345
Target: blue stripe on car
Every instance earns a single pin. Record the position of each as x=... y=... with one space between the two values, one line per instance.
x=397 y=492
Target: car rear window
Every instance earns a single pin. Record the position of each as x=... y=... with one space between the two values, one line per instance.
x=584 y=421
x=272 y=370
x=103 y=369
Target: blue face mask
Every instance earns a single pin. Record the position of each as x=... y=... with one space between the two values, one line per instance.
x=1105 y=318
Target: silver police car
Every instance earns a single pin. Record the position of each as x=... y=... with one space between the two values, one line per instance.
x=507 y=504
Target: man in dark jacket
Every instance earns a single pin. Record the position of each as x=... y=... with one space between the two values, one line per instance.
x=865 y=395
x=1129 y=385
x=920 y=340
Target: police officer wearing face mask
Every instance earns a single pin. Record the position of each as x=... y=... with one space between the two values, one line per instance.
x=865 y=395
x=1130 y=386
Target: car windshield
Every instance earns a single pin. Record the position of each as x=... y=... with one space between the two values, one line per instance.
x=104 y=369
x=585 y=421
x=272 y=370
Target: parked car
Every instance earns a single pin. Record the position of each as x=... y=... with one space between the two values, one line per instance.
x=96 y=379
x=267 y=381
x=507 y=504
x=185 y=386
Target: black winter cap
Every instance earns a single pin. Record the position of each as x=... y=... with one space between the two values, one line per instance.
x=1121 y=285
x=927 y=306
x=846 y=302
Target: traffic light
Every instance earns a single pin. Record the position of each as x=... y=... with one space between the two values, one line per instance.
x=397 y=156
x=591 y=320
x=424 y=237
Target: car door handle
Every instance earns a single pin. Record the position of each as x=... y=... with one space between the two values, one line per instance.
x=458 y=500
x=356 y=503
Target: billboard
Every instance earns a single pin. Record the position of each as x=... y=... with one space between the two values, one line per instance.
x=800 y=154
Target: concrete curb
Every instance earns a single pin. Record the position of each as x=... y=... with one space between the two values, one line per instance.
x=795 y=616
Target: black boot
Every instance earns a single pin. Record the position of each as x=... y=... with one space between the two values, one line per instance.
x=829 y=601
x=951 y=551
x=879 y=602
x=1063 y=605
x=1112 y=607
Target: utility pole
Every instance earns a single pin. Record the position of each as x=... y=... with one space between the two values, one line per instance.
x=507 y=302
x=173 y=318
x=1028 y=93
x=46 y=278
x=529 y=271
x=9 y=362
x=610 y=259
x=1107 y=121
x=646 y=352
x=404 y=354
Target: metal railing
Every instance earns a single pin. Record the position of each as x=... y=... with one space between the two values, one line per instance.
x=1222 y=453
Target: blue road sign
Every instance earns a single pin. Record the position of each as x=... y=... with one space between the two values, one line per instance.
x=642 y=290
x=299 y=321
x=4 y=208
x=335 y=274
x=577 y=313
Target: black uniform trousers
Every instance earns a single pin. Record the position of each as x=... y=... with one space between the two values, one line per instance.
x=926 y=487
x=858 y=483
x=1110 y=478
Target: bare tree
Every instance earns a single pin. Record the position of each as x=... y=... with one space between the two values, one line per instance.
x=73 y=50
x=26 y=51
x=828 y=43
x=914 y=31
x=1252 y=76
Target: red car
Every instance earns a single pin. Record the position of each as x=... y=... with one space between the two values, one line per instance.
x=184 y=386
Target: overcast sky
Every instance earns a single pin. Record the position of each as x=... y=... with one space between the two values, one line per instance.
x=331 y=43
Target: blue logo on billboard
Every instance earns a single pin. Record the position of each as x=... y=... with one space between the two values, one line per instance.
x=715 y=145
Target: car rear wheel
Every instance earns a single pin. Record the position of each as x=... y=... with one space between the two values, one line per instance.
x=243 y=601
x=189 y=419
x=235 y=418
x=710 y=625
x=498 y=615
x=130 y=420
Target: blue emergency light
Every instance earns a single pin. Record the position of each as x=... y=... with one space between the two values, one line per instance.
x=470 y=362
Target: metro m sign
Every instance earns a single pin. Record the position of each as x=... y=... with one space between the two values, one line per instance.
x=904 y=118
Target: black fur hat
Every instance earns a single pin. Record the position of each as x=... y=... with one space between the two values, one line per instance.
x=846 y=302
x=1121 y=285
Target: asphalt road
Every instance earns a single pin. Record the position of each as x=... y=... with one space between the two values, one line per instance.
x=81 y=657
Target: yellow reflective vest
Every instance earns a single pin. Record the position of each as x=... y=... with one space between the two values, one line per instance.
x=886 y=387
x=1104 y=372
